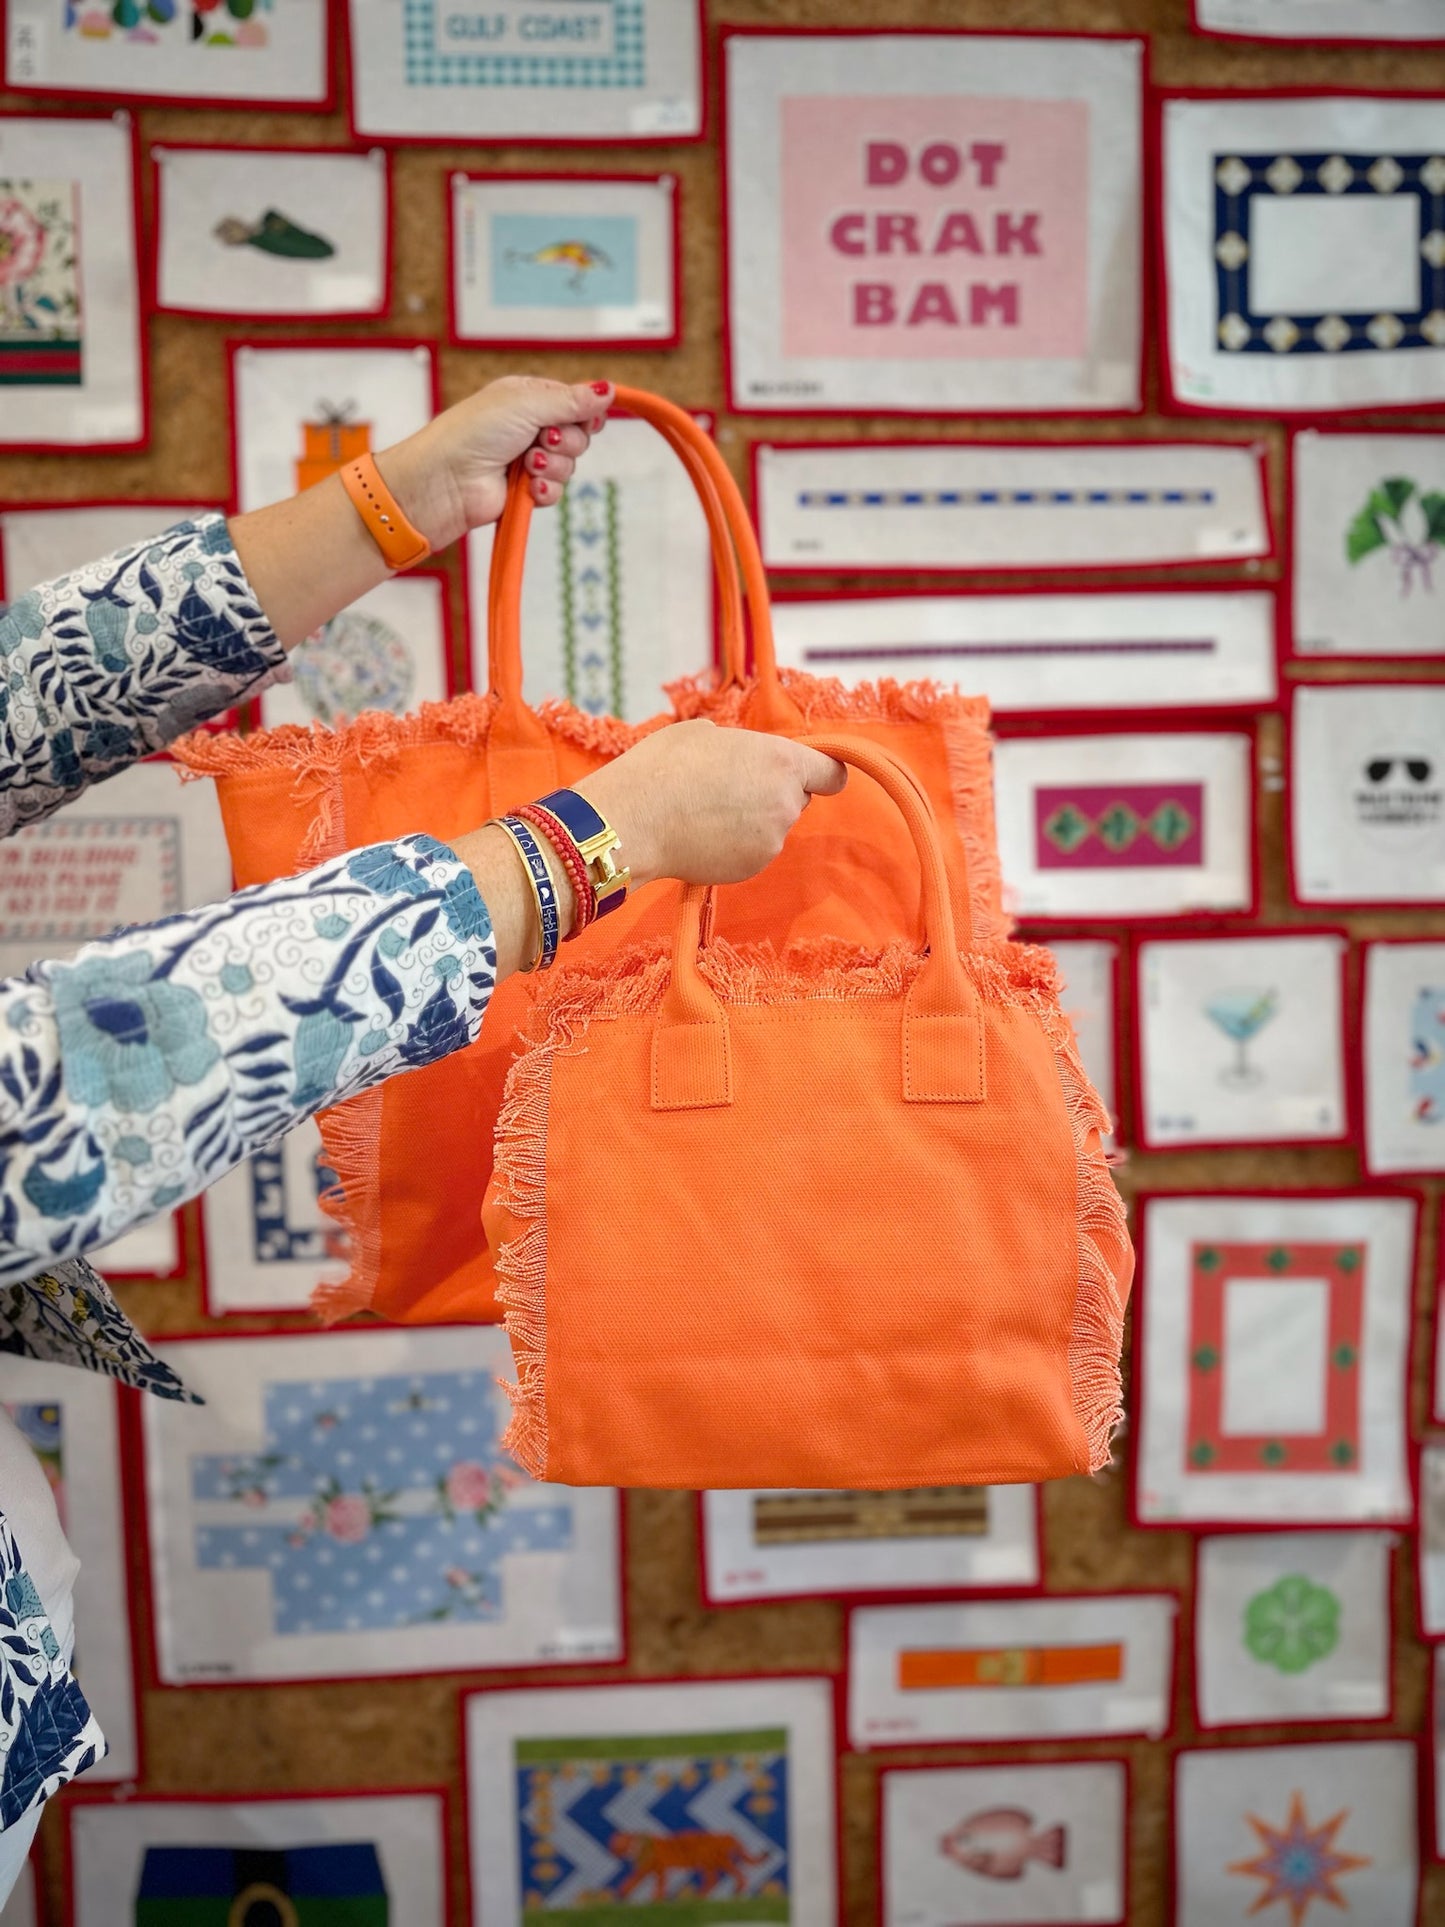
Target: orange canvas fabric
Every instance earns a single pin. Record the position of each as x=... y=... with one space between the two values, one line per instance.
x=818 y=1216
x=411 y=1157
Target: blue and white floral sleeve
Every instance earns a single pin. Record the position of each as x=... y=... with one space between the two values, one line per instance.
x=115 y=660
x=132 y=1076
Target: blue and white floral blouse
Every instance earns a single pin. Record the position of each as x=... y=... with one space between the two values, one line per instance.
x=137 y=1072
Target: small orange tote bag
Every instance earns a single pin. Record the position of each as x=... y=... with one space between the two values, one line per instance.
x=817 y=1217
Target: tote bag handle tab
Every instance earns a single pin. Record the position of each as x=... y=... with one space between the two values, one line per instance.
x=943 y=1036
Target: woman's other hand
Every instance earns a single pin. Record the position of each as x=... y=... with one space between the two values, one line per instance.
x=452 y=475
x=708 y=805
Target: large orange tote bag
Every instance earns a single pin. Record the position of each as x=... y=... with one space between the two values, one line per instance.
x=816 y=1217
x=411 y=1156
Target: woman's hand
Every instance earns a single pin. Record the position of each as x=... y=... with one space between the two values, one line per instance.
x=452 y=475
x=708 y=805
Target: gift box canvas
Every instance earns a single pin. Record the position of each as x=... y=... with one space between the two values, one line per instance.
x=617 y=595
x=365 y=1859
x=1369 y=530
x=70 y=1420
x=1309 y=1831
x=708 y=1801
x=1094 y=828
x=1271 y=1359
x=990 y=1846
x=1367 y=793
x=947 y=506
x=1047 y=653
x=341 y=1507
x=271 y=231
x=1011 y=168
x=1020 y=1669
x=779 y=1545
x=302 y=412
x=1301 y=269
x=71 y=361
x=1241 y=1039
x=585 y=70
x=1293 y=1627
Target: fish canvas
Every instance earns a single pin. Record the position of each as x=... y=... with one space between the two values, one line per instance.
x=999 y=1843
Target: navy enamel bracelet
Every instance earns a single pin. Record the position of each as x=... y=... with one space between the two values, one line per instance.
x=543 y=889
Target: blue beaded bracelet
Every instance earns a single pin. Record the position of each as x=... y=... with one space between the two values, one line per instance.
x=543 y=889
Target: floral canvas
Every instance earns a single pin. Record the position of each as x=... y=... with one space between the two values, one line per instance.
x=564 y=259
x=362 y=1859
x=1369 y=531
x=40 y=321
x=1404 y=1057
x=604 y=70
x=1017 y=1669
x=1009 y=505
x=684 y=1801
x=1307 y=1834
x=1367 y=793
x=343 y=1506
x=759 y=1545
x=617 y=595
x=1275 y=1332
x=1241 y=1040
x=1302 y=267
x=70 y=333
x=974 y=1846
x=1293 y=1627
x=70 y=1420
x=1014 y=283
x=1046 y=653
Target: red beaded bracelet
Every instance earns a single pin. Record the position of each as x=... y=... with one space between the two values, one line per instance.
x=570 y=856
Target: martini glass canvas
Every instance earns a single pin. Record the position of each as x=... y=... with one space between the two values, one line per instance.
x=1242 y=1014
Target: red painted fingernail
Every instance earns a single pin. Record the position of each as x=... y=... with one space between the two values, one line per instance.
x=539 y=460
x=600 y=387
x=554 y=438
x=543 y=487
x=596 y=424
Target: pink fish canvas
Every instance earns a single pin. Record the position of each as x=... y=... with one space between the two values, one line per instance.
x=1000 y=1843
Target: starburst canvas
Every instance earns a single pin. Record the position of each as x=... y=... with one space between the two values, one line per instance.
x=1241 y=1040
x=342 y=1506
x=1272 y=1357
x=1304 y=1834
x=991 y=1846
x=1292 y=1627
x=1369 y=536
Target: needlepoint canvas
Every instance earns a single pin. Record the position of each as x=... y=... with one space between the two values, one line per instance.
x=342 y=1507
x=933 y=223
x=686 y=1800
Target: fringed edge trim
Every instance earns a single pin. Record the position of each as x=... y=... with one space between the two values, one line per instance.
x=313 y=748
x=519 y=1181
x=1096 y=1339
x=351 y=1137
x=824 y=700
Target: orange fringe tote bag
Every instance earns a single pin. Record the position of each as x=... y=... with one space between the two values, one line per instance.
x=928 y=1285
x=409 y=1191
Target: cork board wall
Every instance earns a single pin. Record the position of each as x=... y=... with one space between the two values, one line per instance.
x=406 y=1733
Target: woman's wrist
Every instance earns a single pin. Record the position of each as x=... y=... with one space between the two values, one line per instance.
x=424 y=489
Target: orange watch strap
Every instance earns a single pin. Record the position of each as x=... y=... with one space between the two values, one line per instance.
x=400 y=543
